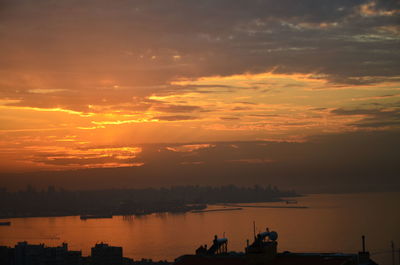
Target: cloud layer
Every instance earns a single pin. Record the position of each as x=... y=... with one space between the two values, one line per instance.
x=106 y=52
x=86 y=83
x=330 y=163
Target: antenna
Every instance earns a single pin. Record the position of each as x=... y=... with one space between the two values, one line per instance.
x=254 y=229
x=363 y=243
x=392 y=243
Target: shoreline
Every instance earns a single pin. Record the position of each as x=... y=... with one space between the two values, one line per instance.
x=235 y=206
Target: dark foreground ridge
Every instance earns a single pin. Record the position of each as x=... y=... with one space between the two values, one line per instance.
x=106 y=203
x=263 y=251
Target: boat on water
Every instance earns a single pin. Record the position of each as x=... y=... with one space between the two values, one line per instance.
x=5 y=223
x=95 y=216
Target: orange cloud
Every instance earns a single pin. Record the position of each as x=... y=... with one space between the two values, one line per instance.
x=189 y=147
x=240 y=107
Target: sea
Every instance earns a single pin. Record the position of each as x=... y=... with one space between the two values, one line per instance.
x=321 y=223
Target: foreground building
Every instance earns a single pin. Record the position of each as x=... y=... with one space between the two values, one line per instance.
x=101 y=254
x=263 y=251
x=27 y=254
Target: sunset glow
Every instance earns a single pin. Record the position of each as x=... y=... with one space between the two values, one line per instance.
x=181 y=132
x=128 y=86
x=265 y=106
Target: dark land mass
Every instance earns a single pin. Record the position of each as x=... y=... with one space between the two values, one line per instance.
x=266 y=206
x=180 y=199
x=216 y=210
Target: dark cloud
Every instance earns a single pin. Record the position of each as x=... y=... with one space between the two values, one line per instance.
x=81 y=161
x=374 y=118
x=177 y=108
x=356 y=111
x=175 y=118
x=264 y=115
x=324 y=163
x=246 y=103
x=241 y=108
x=142 y=45
x=229 y=118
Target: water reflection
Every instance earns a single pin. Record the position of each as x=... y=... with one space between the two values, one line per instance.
x=331 y=223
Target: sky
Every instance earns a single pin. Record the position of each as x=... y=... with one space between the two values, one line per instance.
x=150 y=92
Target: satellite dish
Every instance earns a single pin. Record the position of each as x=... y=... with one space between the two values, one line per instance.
x=273 y=235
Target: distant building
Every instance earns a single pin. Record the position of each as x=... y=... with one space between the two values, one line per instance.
x=30 y=254
x=103 y=254
x=27 y=254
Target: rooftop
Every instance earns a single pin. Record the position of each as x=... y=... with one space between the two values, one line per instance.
x=280 y=259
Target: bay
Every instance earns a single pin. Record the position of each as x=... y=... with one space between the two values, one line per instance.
x=330 y=223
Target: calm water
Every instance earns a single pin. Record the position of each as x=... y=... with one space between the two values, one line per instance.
x=332 y=223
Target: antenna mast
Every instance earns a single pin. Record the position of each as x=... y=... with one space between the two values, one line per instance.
x=254 y=229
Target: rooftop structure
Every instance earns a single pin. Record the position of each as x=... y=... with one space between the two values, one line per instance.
x=27 y=254
x=263 y=251
x=103 y=254
x=38 y=254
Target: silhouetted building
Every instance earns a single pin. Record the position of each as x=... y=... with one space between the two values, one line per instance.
x=263 y=251
x=26 y=254
x=6 y=255
x=103 y=254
